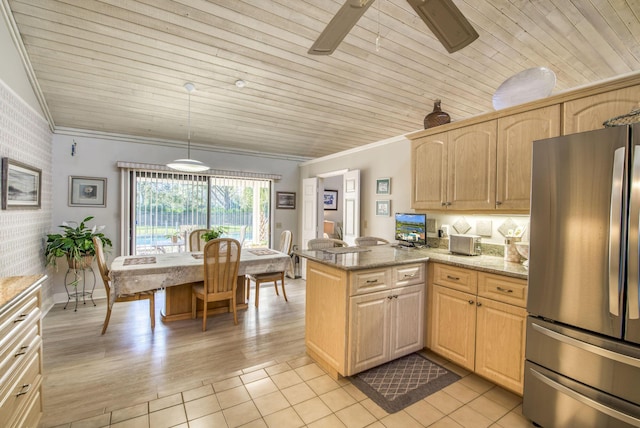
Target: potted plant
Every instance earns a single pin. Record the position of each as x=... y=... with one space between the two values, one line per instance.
x=213 y=233
x=75 y=243
x=174 y=237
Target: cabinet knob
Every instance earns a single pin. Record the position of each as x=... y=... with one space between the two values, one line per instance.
x=471 y=302
x=444 y=204
x=478 y=304
x=448 y=203
x=498 y=202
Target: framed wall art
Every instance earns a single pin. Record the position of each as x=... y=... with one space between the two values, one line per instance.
x=330 y=199
x=383 y=208
x=87 y=192
x=383 y=186
x=21 y=185
x=286 y=200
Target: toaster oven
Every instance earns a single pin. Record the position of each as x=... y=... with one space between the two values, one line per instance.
x=469 y=245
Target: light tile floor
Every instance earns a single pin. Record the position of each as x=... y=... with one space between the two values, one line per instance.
x=298 y=393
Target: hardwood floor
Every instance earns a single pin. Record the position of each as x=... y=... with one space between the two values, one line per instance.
x=86 y=373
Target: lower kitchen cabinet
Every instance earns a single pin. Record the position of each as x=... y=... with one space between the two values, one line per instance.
x=478 y=321
x=360 y=319
x=383 y=327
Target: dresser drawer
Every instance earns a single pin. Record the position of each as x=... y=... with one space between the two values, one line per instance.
x=369 y=281
x=454 y=277
x=408 y=275
x=503 y=289
x=15 y=395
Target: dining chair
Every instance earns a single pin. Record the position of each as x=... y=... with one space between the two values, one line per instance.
x=196 y=243
x=221 y=263
x=104 y=273
x=286 y=241
x=323 y=243
x=370 y=241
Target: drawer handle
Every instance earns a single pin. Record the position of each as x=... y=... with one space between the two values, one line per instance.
x=505 y=290
x=24 y=390
x=371 y=281
x=453 y=278
x=22 y=351
x=20 y=318
x=406 y=275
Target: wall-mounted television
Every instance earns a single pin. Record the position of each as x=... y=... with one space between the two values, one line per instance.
x=411 y=229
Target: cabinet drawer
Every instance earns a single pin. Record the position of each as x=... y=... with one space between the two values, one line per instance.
x=457 y=278
x=369 y=281
x=19 y=391
x=408 y=275
x=18 y=316
x=16 y=350
x=33 y=412
x=503 y=289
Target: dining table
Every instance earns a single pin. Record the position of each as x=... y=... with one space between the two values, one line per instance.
x=176 y=272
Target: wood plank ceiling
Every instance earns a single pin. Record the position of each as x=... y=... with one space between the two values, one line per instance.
x=119 y=66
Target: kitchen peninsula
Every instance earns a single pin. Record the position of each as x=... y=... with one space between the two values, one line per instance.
x=369 y=305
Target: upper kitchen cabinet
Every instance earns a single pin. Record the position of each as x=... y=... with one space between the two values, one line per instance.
x=588 y=113
x=455 y=170
x=516 y=134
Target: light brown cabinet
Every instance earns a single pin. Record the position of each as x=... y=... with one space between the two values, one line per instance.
x=360 y=319
x=455 y=170
x=21 y=359
x=481 y=167
x=478 y=321
x=589 y=113
x=516 y=134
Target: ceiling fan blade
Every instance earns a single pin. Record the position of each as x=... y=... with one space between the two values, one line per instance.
x=445 y=21
x=339 y=26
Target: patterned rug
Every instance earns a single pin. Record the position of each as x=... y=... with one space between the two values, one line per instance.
x=402 y=382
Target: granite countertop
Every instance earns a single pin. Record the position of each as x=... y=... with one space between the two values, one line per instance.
x=13 y=286
x=389 y=255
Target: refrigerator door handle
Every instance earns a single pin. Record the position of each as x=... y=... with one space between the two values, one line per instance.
x=633 y=279
x=615 y=219
x=611 y=412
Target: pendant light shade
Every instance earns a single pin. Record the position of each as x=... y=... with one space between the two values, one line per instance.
x=188 y=165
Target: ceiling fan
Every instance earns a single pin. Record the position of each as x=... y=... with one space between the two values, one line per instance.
x=442 y=16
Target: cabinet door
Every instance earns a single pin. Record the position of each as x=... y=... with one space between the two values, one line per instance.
x=369 y=326
x=516 y=134
x=471 y=167
x=500 y=343
x=429 y=172
x=407 y=320
x=454 y=325
x=588 y=113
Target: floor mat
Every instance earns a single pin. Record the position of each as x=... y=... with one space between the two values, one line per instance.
x=402 y=382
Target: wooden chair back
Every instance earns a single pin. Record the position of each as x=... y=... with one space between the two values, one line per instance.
x=324 y=243
x=196 y=243
x=102 y=265
x=221 y=263
x=370 y=241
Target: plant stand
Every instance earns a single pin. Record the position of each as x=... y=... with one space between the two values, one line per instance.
x=74 y=284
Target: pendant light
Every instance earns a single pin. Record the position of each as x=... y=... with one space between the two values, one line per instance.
x=188 y=165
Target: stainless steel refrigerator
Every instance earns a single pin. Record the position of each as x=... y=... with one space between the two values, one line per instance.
x=582 y=364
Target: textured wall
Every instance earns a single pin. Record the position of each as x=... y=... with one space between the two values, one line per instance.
x=25 y=137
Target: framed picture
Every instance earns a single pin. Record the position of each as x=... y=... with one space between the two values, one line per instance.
x=330 y=199
x=87 y=192
x=383 y=186
x=286 y=200
x=21 y=185
x=383 y=208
